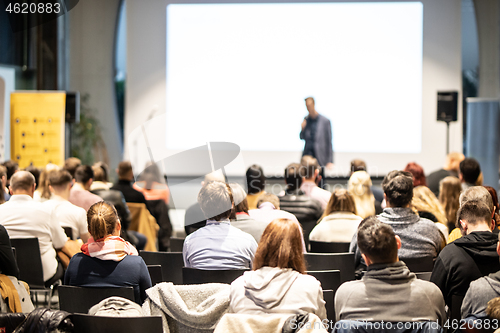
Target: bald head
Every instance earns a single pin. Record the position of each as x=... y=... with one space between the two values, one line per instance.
x=22 y=182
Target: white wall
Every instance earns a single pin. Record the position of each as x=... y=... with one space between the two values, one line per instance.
x=145 y=96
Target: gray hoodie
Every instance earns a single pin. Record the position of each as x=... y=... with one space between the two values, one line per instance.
x=276 y=290
x=480 y=292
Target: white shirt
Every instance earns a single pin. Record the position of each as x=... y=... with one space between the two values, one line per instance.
x=25 y=218
x=336 y=227
x=313 y=191
x=68 y=215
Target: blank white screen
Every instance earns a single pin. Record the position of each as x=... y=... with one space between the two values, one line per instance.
x=240 y=73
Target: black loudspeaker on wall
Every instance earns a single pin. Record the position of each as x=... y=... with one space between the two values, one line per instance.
x=447 y=106
x=72 y=107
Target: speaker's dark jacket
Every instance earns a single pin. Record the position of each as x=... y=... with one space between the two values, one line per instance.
x=322 y=140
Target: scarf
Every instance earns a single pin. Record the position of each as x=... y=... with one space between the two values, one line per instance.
x=109 y=248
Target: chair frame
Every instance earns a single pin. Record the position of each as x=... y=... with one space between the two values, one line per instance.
x=78 y=299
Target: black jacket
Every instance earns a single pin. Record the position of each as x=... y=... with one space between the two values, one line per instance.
x=130 y=193
x=308 y=211
x=463 y=261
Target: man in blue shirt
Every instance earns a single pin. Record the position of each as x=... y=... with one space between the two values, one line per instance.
x=218 y=245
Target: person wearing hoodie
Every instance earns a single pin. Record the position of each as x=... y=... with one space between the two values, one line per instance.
x=470 y=257
x=480 y=292
x=410 y=299
x=278 y=282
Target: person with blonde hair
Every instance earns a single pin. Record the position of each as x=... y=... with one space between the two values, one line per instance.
x=42 y=193
x=339 y=222
x=278 y=282
x=425 y=203
x=107 y=260
x=359 y=187
x=449 y=194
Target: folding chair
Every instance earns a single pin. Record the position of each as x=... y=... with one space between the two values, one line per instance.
x=171 y=264
x=155 y=274
x=421 y=264
x=80 y=299
x=329 y=247
x=331 y=261
x=330 y=280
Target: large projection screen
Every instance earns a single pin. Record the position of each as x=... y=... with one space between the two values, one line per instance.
x=240 y=73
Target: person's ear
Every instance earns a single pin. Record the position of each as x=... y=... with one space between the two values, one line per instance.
x=498 y=248
x=398 y=241
x=463 y=227
x=316 y=173
x=118 y=225
x=366 y=259
x=51 y=189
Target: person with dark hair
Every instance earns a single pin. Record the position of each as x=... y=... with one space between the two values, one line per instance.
x=35 y=172
x=68 y=215
x=107 y=260
x=23 y=217
x=472 y=256
x=310 y=171
x=124 y=184
x=418 y=174
x=420 y=237
x=256 y=184
x=242 y=219
x=71 y=164
x=469 y=172
x=278 y=282
x=80 y=194
x=307 y=210
x=218 y=245
x=388 y=290
x=101 y=178
x=12 y=167
x=450 y=168
x=4 y=192
x=268 y=209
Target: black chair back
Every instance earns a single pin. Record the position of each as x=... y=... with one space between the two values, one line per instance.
x=332 y=261
x=426 y=276
x=329 y=297
x=422 y=264
x=200 y=276
x=171 y=264
x=155 y=274
x=81 y=299
x=96 y=324
x=176 y=244
x=69 y=232
x=29 y=261
x=329 y=247
x=330 y=280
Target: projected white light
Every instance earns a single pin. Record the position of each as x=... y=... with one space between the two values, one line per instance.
x=240 y=73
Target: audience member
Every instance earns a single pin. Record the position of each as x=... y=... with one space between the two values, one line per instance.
x=12 y=167
x=311 y=179
x=480 y=292
x=359 y=186
x=307 y=210
x=339 y=222
x=388 y=290
x=4 y=195
x=418 y=174
x=80 y=194
x=493 y=310
x=357 y=165
x=106 y=259
x=124 y=184
x=496 y=204
x=35 y=172
x=425 y=203
x=101 y=178
x=23 y=217
x=242 y=220
x=471 y=256
x=8 y=263
x=360 y=165
x=449 y=193
x=194 y=218
x=71 y=164
x=469 y=171
x=278 y=282
x=152 y=184
x=68 y=215
x=449 y=169
x=42 y=193
x=420 y=237
x=218 y=245
x=269 y=209
x=256 y=184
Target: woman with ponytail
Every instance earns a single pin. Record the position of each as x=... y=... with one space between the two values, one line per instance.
x=278 y=282
x=107 y=260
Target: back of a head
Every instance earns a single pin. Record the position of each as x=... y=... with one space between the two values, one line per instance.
x=293 y=176
x=44 y=180
x=216 y=176
x=359 y=184
x=449 y=187
x=83 y=174
x=239 y=197
x=424 y=200
x=269 y=197
x=418 y=174
x=124 y=169
x=71 y=164
x=398 y=188
x=35 y=172
x=453 y=160
x=101 y=172
x=12 y=167
x=256 y=181
x=281 y=246
x=494 y=197
x=470 y=170
x=309 y=165
x=101 y=219
x=476 y=193
x=3 y=172
x=59 y=179
x=340 y=201
x=474 y=212
x=22 y=181
x=493 y=308
x=377 y=241
x=358 y=165
x=216 y=202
